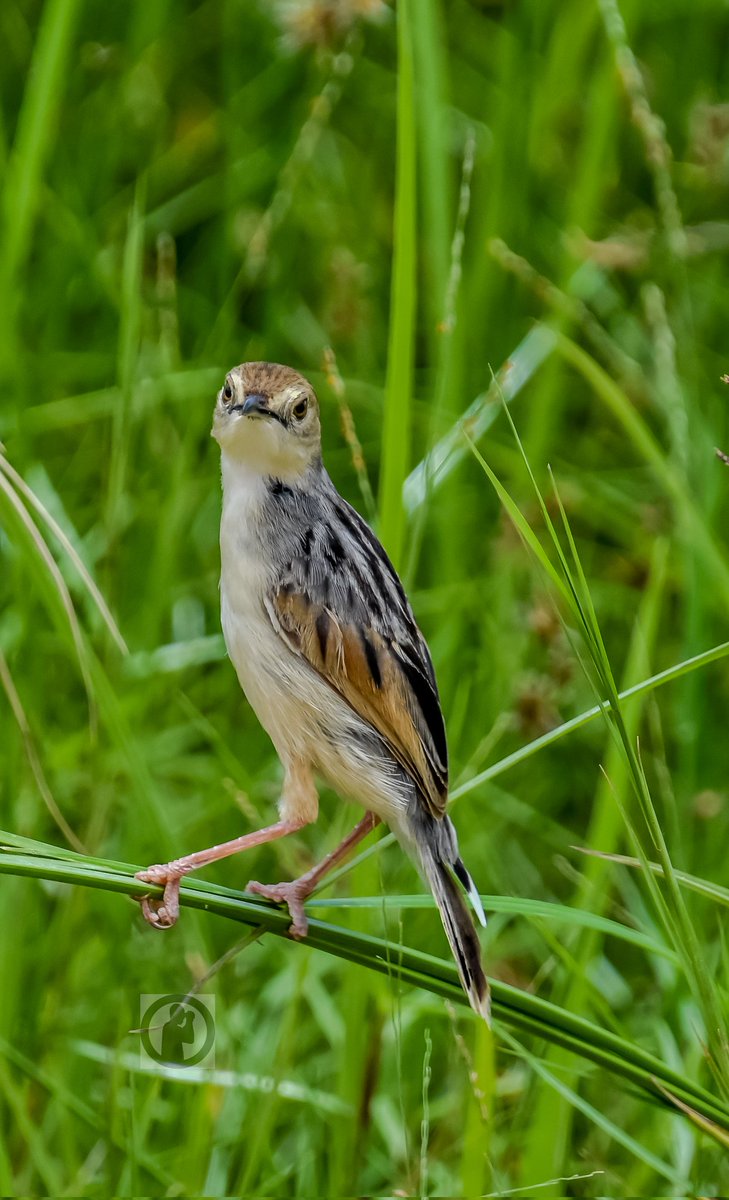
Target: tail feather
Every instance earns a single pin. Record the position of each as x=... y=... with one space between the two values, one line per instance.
x=459 y=927
x=463 y=876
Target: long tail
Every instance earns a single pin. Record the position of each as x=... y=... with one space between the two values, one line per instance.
x=437 y=850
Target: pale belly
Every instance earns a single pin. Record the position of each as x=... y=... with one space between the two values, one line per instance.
x=305 y=718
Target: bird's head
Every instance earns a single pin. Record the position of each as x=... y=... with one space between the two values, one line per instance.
x=267 y=417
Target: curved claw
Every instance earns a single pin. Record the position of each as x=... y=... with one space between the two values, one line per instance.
x=160 y=912
x=290 y=894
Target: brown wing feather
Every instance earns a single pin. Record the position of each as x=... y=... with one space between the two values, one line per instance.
x=365 y=670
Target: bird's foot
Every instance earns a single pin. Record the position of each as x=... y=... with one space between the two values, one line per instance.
x=292 y=895
x=161 y=913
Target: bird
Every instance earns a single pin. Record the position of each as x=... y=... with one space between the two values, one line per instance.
x=327 y=650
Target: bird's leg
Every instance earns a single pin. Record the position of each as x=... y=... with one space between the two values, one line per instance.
x=299 y=806
x=294 y=894
x=162 y=914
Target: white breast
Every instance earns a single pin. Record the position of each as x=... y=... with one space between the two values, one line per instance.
x=245 y=577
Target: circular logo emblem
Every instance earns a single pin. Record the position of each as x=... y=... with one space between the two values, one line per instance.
x=177 y=1030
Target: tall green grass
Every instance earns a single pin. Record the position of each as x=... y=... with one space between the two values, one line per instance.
x=430 y=211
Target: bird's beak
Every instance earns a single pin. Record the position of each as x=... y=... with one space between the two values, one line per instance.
x=253 y=403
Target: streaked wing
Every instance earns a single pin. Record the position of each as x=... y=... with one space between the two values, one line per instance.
x=340 y=605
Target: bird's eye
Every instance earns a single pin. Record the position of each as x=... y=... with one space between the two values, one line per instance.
x=228 y=392
x=300 y=408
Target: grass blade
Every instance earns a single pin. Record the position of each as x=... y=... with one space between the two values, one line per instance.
x=511 y=1005
x=401 y=342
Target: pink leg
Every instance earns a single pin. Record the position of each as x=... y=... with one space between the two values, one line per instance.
x=295 y=893
x=162 y=914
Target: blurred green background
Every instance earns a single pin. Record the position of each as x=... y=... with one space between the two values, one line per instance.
x=398 y=205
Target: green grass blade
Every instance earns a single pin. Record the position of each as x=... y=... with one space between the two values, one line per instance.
x=53 y=587
x=693 y=883
x=21 y=487
x=575 y=1101
x=49 y=72
x=669 y=675
x=511 y=1005
x=688 y=516
x=671 y=908
x=401 y=341
x=523 y=527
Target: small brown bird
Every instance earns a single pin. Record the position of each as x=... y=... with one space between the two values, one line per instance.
x=326 y=649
